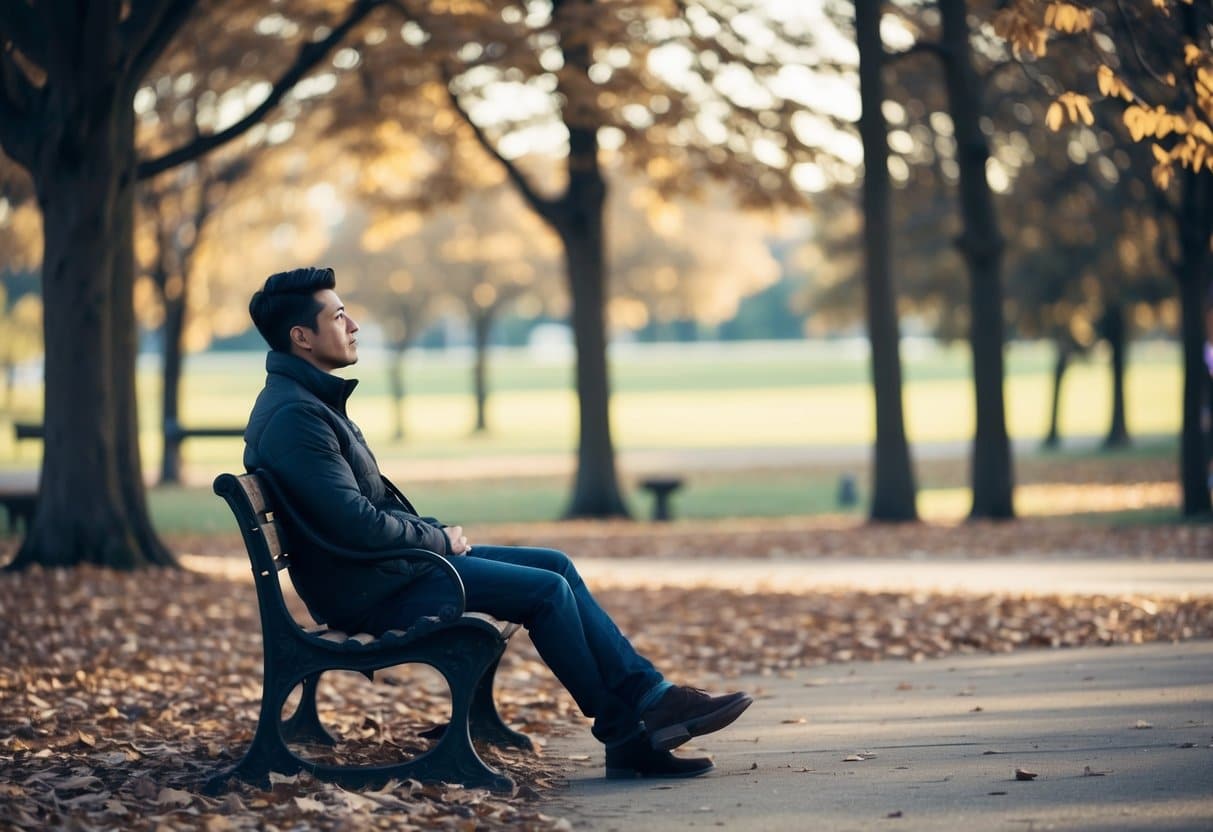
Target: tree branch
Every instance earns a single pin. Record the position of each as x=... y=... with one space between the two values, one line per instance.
x=309 y=55
x=1137 y=53
x=148 y=30
x=19 y=25
x=542 y=205
x=16 y=96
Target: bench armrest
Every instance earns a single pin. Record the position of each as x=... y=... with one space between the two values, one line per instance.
x=298 y=526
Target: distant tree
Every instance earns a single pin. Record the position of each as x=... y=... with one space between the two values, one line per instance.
x=20 y=258
x=580 y=81
x=1156 y=61
x=893 y=489
x=20 y=330
x=683 y=259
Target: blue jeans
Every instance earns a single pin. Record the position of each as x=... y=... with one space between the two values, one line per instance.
x=540 y=589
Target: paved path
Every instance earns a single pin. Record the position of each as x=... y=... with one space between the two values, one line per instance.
x=1021 y=576
x=1121 y=738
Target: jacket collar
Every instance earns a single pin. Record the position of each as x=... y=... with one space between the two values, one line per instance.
x=330 y=389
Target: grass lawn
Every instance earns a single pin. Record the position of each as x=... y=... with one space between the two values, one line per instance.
x=705 y=396
x=734 y=397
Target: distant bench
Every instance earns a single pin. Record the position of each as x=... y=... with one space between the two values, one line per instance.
x=173 y=430
x=20 y=501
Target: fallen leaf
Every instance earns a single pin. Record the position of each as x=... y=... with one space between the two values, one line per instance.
x=1142 y=724
x=174 y=797
x=1024 y=774
x=309 y=804
x=1087 y=771
x=80 y=781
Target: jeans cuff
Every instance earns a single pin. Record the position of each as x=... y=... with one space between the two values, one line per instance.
x=653 y=696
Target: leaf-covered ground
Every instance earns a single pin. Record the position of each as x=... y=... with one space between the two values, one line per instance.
x=121 y=693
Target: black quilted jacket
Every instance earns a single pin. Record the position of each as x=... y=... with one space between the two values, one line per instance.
x=299 y=431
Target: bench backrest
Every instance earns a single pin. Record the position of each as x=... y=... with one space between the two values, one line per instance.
x=251 y=502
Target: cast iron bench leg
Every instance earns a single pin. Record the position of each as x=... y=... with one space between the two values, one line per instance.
x=304 y=725
x=486 y=722
x=268 y=751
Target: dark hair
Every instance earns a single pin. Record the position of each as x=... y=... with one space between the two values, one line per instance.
x=287 y=301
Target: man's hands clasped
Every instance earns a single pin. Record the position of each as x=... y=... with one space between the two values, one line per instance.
x=459 y=543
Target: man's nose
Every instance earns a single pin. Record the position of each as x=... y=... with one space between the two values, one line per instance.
x=351 y=324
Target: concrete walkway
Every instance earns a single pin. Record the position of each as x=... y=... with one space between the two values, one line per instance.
x=1055 y=575
x=1120 y=738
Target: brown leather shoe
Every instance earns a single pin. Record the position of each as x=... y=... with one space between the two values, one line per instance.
x=636 y=758
x=684 y=712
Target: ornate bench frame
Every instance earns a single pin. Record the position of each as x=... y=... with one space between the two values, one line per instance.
x=464 y=648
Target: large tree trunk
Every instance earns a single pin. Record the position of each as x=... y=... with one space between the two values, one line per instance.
x=1060 y=364
x=893 y=490
x=581 y=229
x=170 y=394
x=91 y=505
x=482 y=325
x=981 y=245
x=1115 y=333
x=1196 y=228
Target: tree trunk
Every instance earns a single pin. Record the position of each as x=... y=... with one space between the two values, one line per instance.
x=981 y=245
x=1196 y=228
x=122 y=372
x=91 y=505
x=174 y=326
x=581 y=228
x=482 y=325
x=1060 y=364
x=893 y=490
x=1114 y=331
x=395 y=383
x=1195 y=232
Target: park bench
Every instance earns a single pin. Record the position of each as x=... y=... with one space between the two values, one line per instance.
x=20 y=500
x=19 y=503
x=173 y=429
x=465 y=648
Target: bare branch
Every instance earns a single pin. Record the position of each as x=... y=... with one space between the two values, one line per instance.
x=1130 y=32
x=542 y=205
x=309 y=55
x=17 y=96
x=148 y=30
x=20 y=25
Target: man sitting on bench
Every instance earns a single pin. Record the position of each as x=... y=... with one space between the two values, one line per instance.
x=300 y=432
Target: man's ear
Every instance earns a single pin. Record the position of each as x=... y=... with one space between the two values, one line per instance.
x=299 y=338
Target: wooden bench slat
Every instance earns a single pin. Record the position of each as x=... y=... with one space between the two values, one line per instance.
x=252 y=489
x=273 y=542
